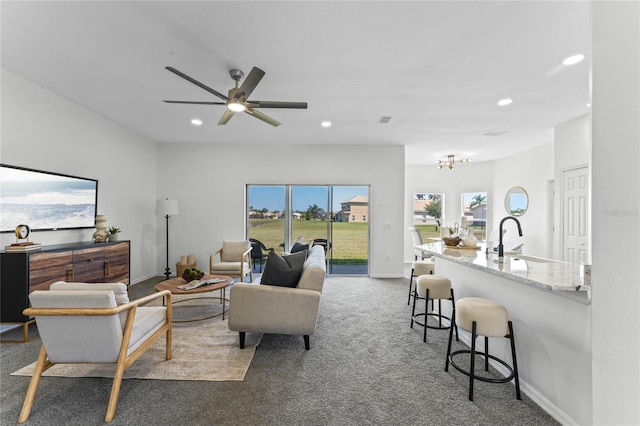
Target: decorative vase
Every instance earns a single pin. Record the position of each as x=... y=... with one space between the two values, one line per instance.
x=101 y=235
x=470 y=241
x=113 y=237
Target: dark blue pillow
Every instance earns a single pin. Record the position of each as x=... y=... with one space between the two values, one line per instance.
x=284 y=271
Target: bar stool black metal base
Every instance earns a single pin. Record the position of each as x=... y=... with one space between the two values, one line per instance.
x=433 y=314
x=482 y=378
x=513 y=372
x=439 y=316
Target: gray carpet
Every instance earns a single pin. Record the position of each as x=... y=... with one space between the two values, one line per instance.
x=365 y=367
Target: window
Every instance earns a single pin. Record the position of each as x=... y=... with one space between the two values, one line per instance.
x=364 y=218
x=427 y=213
x=474 y=213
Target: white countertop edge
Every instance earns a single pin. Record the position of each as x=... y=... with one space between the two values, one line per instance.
x=436 y=249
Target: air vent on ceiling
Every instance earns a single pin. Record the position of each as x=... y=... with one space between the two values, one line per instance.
x=494 y=133
x=385 y=119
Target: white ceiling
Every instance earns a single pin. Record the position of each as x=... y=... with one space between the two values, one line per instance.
x=437 y=67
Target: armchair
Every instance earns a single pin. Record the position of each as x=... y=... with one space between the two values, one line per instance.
x=235 y=260
x=83 y=323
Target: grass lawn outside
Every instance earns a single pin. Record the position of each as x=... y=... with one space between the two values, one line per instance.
x=350 y=239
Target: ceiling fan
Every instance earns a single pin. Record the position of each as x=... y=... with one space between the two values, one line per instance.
x=238 y=98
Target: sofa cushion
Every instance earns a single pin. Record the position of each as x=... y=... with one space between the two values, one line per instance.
x=283 y=270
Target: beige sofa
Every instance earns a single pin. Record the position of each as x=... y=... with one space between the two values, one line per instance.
x=257 y=308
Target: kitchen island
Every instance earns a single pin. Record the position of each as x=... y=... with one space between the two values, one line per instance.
x=549 y=306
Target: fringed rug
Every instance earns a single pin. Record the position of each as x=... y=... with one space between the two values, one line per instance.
x=205 y=350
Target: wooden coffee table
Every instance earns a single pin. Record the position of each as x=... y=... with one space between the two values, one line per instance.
x=173 y=283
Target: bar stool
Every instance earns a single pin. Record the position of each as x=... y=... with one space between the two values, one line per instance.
x=483 y=317
x=420 y=267
x=431 y=287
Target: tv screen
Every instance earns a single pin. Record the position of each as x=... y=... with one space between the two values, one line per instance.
x=45 y=200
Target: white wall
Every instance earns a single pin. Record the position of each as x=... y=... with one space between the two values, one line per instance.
x=44 y=131
x=472 y=177
x=616 y=212
x=209 y=182
x=572 y=150
x=531 y=170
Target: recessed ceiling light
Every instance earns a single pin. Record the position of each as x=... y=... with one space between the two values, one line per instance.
x=571 y=60
x=196 y=122
x=326 y=124
x=505 y=101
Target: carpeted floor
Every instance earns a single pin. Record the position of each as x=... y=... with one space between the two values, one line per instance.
x=365 y=367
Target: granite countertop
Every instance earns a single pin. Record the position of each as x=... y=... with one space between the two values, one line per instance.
x=534 y=271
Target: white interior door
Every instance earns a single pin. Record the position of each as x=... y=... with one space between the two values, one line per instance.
x=575 y=215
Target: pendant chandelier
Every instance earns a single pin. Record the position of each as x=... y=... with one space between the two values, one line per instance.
x=450 y=162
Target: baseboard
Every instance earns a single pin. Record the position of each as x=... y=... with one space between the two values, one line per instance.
x=143 y=278
x=531 y=392
x=387 y=276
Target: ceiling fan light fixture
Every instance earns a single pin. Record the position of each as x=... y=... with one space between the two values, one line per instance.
x=236 y=106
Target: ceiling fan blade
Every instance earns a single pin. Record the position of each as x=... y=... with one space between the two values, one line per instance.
x=226 y=117
x=249 y=83
x=195 y=102
x=197 y=83
x=261 y=116
x=277 y=104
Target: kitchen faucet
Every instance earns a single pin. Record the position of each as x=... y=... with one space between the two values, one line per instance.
x=500 y=246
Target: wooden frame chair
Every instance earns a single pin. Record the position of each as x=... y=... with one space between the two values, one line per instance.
x=88 y=326
x=235 y=260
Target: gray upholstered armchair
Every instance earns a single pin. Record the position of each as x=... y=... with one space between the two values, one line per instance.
x=235 y=260
x=94 y=323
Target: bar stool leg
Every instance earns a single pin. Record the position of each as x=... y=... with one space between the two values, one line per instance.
x=486 y=353
x=410 y=285
x=515 y=362
x=473 y=360
x=453 y=324
x=453 y=305
x=426 y=308
x=413 y=311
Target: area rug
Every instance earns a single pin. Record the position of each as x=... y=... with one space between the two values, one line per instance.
x=205 y=350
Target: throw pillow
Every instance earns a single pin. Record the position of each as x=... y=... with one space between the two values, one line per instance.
x=283 y=271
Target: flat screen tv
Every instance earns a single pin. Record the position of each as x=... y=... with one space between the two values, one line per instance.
x=45 y=200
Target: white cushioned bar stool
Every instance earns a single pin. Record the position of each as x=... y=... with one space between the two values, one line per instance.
x=420 y=267
x=483 y=317
x=432 y=287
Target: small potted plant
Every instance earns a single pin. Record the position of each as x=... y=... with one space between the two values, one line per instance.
x=113 y=233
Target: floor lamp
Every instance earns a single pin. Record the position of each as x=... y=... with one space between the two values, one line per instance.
x=167 y=208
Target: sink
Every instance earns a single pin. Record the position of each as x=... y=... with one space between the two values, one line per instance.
x=532 y=258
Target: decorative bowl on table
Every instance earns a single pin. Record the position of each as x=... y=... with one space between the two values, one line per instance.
x=451 y=241
x=191 y=274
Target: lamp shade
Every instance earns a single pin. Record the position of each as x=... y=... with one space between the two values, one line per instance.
x=167 y=207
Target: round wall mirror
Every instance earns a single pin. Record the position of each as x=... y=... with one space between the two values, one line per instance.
x=516 y=201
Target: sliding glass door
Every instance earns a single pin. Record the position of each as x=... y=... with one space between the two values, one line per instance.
x=335 y=216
